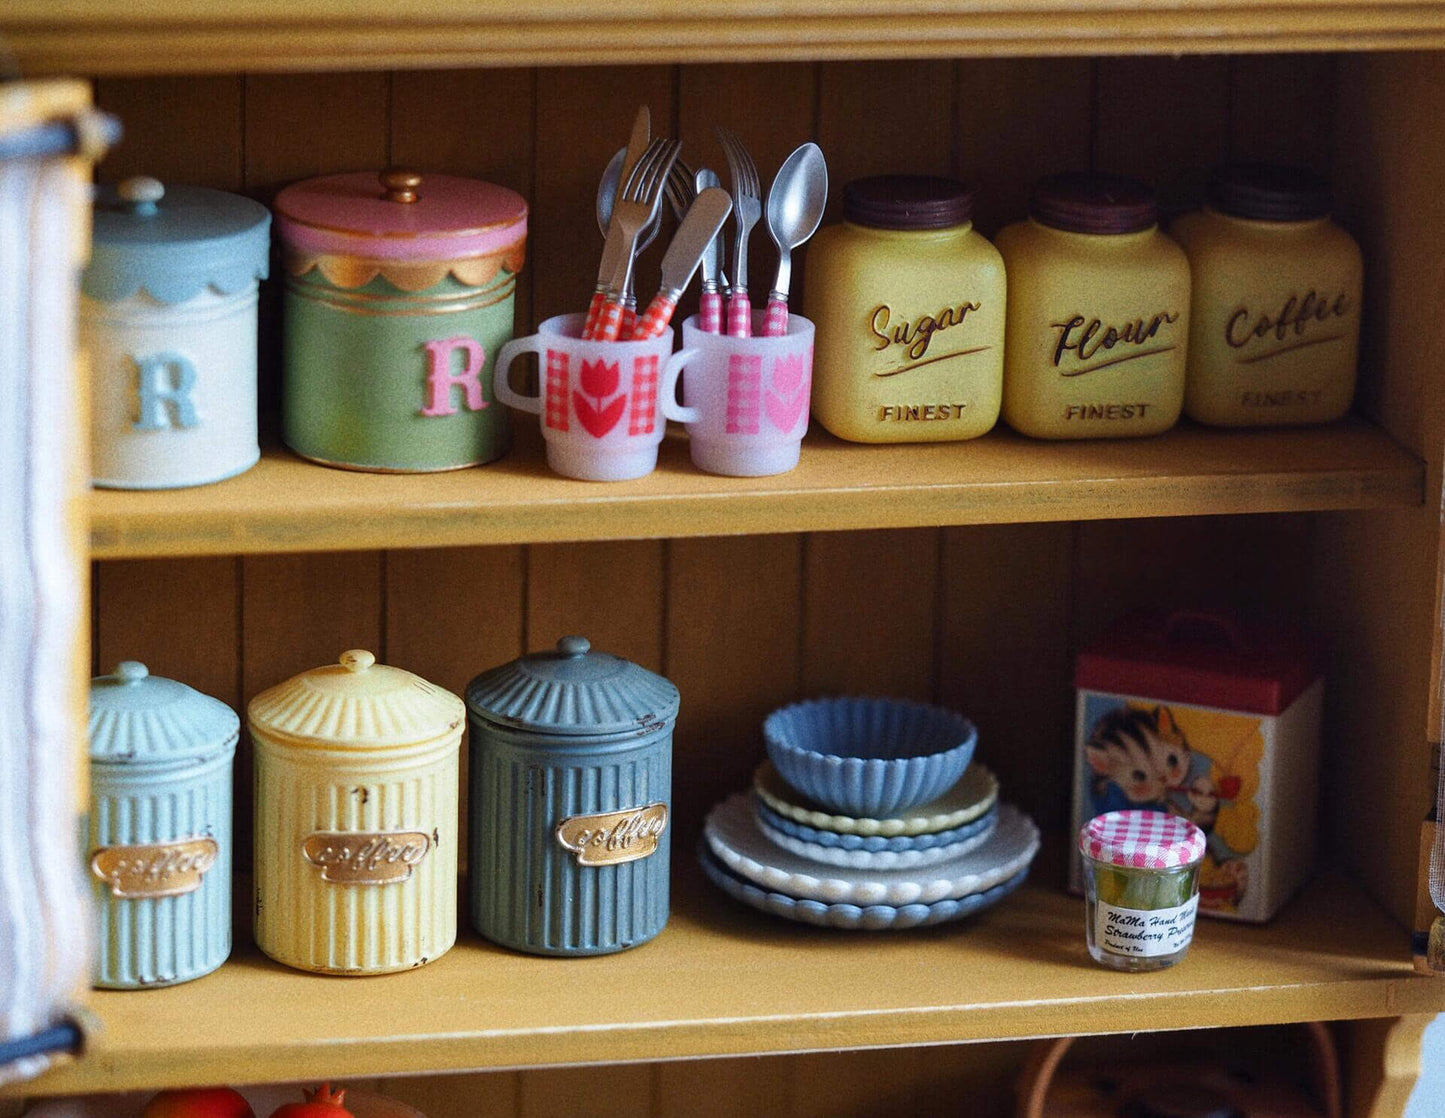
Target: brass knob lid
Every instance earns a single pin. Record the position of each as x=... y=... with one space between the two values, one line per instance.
x=400 y=185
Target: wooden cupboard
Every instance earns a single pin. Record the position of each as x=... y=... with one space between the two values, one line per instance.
x=967 y=574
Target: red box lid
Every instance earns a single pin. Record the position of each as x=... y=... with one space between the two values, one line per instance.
x=1204 y=658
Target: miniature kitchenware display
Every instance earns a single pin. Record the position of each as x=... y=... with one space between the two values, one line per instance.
x=429 y=803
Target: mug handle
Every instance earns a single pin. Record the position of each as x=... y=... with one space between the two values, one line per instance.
x=501 y=389
x=671 y=409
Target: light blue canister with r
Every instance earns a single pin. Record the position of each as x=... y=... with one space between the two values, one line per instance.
x=571 y=798
x=160 y=828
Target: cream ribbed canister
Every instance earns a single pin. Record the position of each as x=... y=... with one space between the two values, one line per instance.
x=356 y=818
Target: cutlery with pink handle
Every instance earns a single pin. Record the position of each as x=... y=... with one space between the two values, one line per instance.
x=689 y=245
x=747 y=208
x=636 y=209
x=710 y=305
x=607 y=194
x=795 y=206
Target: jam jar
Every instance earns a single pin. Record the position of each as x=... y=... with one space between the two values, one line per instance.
x=1098 y=314
x=1141 y=888
x=357 y=782
x=571 y=798
x=160 y=828
x=908 y=302
x=1274 y=332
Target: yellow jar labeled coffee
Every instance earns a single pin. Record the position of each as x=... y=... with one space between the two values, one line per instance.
x=908 y=302
x=356 y=818
x=1098 y=315
x=1274 y=331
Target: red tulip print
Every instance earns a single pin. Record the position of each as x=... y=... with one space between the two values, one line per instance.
x=599 y=380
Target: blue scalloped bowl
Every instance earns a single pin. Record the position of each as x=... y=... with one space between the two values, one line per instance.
x=869 y=757
x=873 y=918
x=874 y=844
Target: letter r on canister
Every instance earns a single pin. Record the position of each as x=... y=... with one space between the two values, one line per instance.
x=442 y=379
x=163 y=385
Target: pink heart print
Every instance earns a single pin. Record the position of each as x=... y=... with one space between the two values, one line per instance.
x=786 y=402
x=598 y=379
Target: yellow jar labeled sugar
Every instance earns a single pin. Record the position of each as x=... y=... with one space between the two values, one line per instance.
x=908 y=301
x=1275 y=313
x=1098 y=315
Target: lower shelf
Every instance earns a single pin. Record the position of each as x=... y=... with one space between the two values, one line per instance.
x=723 y=980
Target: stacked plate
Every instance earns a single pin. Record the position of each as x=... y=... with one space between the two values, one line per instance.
x=810 y=849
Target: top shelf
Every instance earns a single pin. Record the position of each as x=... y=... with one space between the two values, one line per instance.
x=286 y=504
x=104 y=37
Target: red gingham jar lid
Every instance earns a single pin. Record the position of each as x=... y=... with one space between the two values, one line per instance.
x=1153 y=840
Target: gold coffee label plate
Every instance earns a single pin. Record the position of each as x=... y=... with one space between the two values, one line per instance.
x=612 y=837
x=366 y=858
x=155 y=869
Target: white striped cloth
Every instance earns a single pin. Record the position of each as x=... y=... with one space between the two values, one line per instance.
x=45 y=918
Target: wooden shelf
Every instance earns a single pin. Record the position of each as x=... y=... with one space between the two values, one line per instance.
x=286 y=504
x=177 y=36
x=724 y=980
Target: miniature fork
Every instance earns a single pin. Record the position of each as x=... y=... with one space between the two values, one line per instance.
x=747 y=208
x=637 y=207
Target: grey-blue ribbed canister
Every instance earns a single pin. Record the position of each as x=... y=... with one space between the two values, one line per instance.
x=160 y=828
x=571 y=801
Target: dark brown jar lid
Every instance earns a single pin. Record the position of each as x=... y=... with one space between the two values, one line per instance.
x=1265 y=192
x=908 y=202
x=1085 y=202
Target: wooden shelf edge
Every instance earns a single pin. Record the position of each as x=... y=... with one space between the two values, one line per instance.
x=1017 y=971
x=287 y=505
x=98 y=37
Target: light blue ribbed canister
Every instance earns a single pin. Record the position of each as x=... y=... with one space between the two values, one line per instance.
x=160 y=828
x=571 y=796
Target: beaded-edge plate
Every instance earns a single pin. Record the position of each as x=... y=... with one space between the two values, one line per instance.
x=973 y=795
x=733 y=834
x=876 y=859
x=873 y=844
x=849 y=917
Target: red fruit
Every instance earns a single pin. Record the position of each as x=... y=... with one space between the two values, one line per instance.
x=320 y=1103
x=199 y=1102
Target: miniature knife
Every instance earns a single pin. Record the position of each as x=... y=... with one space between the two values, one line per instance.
x=613 y=248
x=689 y=244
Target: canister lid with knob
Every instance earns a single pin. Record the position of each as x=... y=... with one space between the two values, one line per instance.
x=137 y=718
x=574 y=691
x=356 y=704
x=174 y=242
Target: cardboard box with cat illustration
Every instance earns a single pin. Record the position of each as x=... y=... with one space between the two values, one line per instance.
x=1203 y=716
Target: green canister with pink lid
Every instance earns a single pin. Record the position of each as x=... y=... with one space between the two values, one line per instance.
x=399 y=294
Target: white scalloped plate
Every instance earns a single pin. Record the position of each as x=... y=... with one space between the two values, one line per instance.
x=973 y=795
x=874 y=859
x=733 y=835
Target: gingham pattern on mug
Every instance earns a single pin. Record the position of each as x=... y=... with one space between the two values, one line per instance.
x=745 y=394
x=1152 y=840
x=557 y=385
x=642 y=415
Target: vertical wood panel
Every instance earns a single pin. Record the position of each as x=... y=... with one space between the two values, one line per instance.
x=619 y=1092
x=292 y=127
x=869 y=611
x=583 y=116
x=493 y=1094
x=1282 y=108
x=1005 y=657
x=185 y=130
x=723 y=1088
x=610 y=593
x=1019 y=119
x=1164 y=120
x=732 y=650
x=469 y=122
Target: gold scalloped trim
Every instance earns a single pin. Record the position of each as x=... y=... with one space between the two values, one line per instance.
x=408 y=275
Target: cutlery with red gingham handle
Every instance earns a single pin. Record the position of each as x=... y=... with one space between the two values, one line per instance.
x=689 y=244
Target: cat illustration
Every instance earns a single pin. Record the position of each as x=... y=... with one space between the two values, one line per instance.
x=1127 y=772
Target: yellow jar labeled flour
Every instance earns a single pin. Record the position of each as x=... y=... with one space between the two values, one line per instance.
x=1275 y=313
x=908 y=301
x=1098 y=316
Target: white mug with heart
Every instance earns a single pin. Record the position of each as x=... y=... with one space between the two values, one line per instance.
x=603 y=405
x=750 y=396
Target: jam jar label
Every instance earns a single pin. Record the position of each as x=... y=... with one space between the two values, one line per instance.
x=1085 y=344
x=612 y=837
x=155 y=869
x=1298 y=322
x=1146 y=933
x=367 y=858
